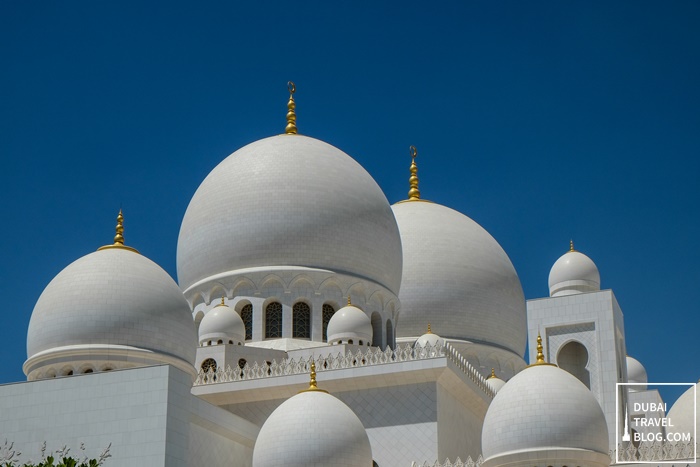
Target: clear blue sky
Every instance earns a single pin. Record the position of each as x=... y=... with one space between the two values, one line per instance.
x=541 y=121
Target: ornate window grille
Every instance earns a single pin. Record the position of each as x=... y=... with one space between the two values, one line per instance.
x=301 y=321
x=247 y=317
x=273 y=320
x=328 y=312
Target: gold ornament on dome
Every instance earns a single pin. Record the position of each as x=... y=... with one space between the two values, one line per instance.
x=313 y=387
x=291 y=128
x=119 y=237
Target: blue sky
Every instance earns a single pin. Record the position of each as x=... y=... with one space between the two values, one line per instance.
x=541 y=121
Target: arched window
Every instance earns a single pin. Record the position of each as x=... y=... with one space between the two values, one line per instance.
x=389 y=334
x=273 y=320
x=208 y=364
x=328 y=312
x=573 y=357
x=247 y=317
x=301 y=321
x=377 y=330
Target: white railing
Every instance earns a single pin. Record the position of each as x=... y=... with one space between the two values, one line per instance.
x=370 y=357
x=655 y=451
x=457 y=463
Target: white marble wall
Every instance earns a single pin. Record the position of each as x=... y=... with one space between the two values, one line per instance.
x=147 y=414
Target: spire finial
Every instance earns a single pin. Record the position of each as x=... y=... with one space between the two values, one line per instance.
x=540 y=353
x=312 y=383
x=222 y=301
x=349 y=301
x=291 y=128
x=119 y=237
x=429 y=331
x=413 y=192
x=493 y=373
x=571 y=245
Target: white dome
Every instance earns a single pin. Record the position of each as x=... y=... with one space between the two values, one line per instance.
x=114 y=302
x=350 y=323
x=289 y=200
x=458 y=278
x=683 y=412
x=543 y=409
x=222 y=323
x=573 y=273
x=429 y=338
x=312 y=429
x=495 y=382
x=636 y=374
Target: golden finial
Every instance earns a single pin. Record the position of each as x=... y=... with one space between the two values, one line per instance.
x=571 y=245
x=291 y=128
x=493 y=373
x=312 y=384
x=119 y=237
x=349 y=301
x=222 y=302
x=413 y=192
x=540 y=353
x=429 y=331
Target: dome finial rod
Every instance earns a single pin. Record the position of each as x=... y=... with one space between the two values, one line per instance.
x=571 y=245
x=540 y=349
x=349 y=300
x=413 y=192
x=493 y=373
x=119 y=237
x=429 y=331
x=291 y=128
x=312 y=383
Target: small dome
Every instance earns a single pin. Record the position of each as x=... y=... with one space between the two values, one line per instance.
x=222 y=323
x=112 y=305
x=350 y=323
x=289 y=200
x=543 y=411
x=684 y=411
x=457 y=277
x=573 y=273
x=312 y=428
x=429 y=339
x=494 y=381
x=636 y=374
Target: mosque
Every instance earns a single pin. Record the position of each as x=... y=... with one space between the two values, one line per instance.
x=324 y=326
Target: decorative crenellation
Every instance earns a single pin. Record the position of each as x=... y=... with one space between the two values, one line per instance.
x=457 y=463
x=654 y=451
x=370 y=357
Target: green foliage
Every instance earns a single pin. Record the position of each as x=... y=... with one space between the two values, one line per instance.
x=10 y=457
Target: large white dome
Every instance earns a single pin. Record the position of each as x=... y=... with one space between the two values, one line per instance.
x=289 y=200
x=542 y=410
x=457 y=278
x=573 y=273
x=684 y=412
x=312 y=429
x=113 y=304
